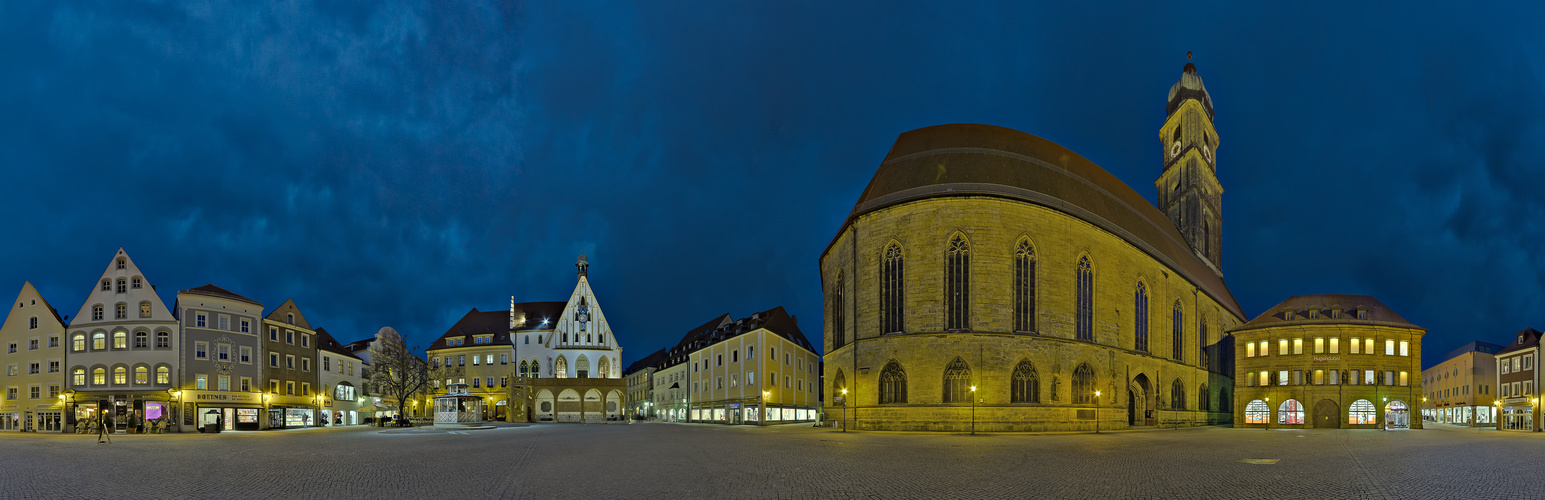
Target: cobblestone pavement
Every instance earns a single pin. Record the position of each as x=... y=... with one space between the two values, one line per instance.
x=652 y=460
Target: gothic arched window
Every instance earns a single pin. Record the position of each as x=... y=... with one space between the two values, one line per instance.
x=839 y=323
x=1203 y=359
x=1084 y=325
x=1179 y=334
x=957 y=382
x=957 y=284
x=523 y=368
x=1083 y=384
x=1140 y=317
x=893 y=384
x=1025 y=386
x=892 y=275
x=1024 y=287
x=1204 y=400
x=1177 y=396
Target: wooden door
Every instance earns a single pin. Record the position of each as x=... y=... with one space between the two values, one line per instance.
x=1327 y=414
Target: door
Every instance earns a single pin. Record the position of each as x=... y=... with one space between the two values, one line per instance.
x=1327 y=415
x=1131 y=408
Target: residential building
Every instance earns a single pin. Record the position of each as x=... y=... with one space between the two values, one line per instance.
x=341 y=379
x=672 y=378
x=123 y=352
x=221 y=377
x=477 y=351
x=290 y=352
x=1331 y=361
x=1518 y=382
x=640 y=377
x=990 y=279
x=760 y=369
x=34 y=356
x=1461 y=389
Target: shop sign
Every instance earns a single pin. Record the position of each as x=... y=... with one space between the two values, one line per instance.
x=10 y=407
x=1326 y=359
x=224 y=397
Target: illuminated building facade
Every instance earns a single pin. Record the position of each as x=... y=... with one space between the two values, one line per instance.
x=221 y=381
x=34 y=380
x=1328 y=361
x=990 y=279
x=1462 y=389
x=1518 y=382
x=122 y=352
x=289 y=369
x=759 y=369
x=341 y=379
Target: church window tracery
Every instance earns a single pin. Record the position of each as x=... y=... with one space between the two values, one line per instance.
x=1024 y=287
x=892 y=275
x=957 y=283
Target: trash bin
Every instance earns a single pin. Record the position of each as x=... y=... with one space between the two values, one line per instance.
x=212 y=428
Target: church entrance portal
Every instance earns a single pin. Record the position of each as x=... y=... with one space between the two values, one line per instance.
x=1327 y=415
x=1140 y=402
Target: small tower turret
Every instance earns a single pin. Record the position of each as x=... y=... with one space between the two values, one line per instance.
x=1189 y=192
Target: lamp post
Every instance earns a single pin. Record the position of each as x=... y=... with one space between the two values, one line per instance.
x=1268 y=413
x=1384 y=422
x=1096 y=412
x=844 y=410
x=973 y=411
x=266 y=415
x=763 y=419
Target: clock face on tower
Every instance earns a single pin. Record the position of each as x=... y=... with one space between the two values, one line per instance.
x=582 y=316
x=1174 y=150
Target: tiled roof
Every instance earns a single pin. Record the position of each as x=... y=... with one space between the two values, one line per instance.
x=776 y=320
x=986 y=160
x=1524 y=339
x=211 y=289
x=535 y=312
x=477 y=322
x=652 y=360
x=1304 y=308
x=326 y=342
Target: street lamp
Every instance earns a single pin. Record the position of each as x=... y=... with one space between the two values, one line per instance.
x=973 y=411
x=1268 y=413
x=844 y=410
x=763 y=419
x=266 y=412
x=1384 y=422
x=1096 y=412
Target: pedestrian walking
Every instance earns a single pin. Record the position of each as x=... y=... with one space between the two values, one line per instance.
x=103 y=432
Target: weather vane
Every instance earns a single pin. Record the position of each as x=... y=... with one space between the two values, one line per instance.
x=1188 y=55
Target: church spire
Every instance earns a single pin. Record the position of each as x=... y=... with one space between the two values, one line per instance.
x=1189 y=192
x=582 y=265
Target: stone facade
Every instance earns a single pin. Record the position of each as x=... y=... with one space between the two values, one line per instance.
x=1314 y=350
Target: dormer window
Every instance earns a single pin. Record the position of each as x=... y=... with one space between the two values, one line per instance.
x=1362 y=314
x=1335 y=314
x=1314 y=314
x=1520 y=339
x=1287 y=315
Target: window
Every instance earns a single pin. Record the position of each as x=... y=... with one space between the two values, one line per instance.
x=1265 y=378
x=1083 y=384
x=1282 y=377
x=246 y=384
x=1250 y=379
x=892 y=289
x=305 y=340
x=462 y=360
x=1256 y=412
x=957 y=283
x=1319 y=377
x=273 y=386
x=163 y=375
x=1405 y=379
x=107 y=285
x=1201 y=344
x=1177 y=395
x=200 y=350
x=136 y=282
x=1178 y=333
x=121 y=311
x=957 y=382
x=1263 y=349
x=141 y=374
x=1024 y=287
x=1368 y=345
x=33 y=323
x=120 y=375
x=289 y=387
x=1204 y=399
x=289 y=336
x=289 y=361
x=893 y=384
x=839 y=323
x=273 y=334
x=99 y=376
x=123 y=285
x=1389 y=348
x=504 y=359
x=78 y=376
x=1370 y=377
x=719 y=361
x=475 y=360
x=98 y=341
x=34 y=368
x=246 y=355
x=223 y=352
x=53 y=366
x=1362 y=314
x=120 y=266
x=1282 y=347
x=1250 y=350
x=1405 y=348
x=289 y=318
x=120 y=339
x=1298 y=346
x=1140 y=316
x=53 y=341
x=96 y=312
x=201 y=320
x=1354 y=345
x=1335 y=345
x=1291 y=412
x=1084 y=311
x=1362 y=412
x=141 y=340
x=305 y=364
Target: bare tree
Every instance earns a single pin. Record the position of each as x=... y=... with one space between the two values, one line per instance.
x=396 y=373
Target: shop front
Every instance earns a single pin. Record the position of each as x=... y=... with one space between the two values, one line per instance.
x=291 y=417
x=131 y=413
x=227 y=411
x=1517 y=415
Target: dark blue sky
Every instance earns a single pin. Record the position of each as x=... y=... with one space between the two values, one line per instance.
x=398 y=163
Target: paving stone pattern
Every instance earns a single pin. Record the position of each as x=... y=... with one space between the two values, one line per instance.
x=652 y=460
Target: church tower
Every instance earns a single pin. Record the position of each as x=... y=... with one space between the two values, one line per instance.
x=1189 y=192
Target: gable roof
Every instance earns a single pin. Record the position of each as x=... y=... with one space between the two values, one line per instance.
x=653 y=360
x=110 y=297
x=534 y=313
x=24 y=301
x=211 y=289
x=1302 y=305
x=281 y=314
x=477 y=322
x=1530 y=338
